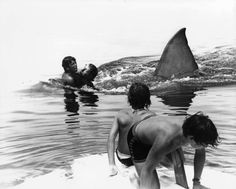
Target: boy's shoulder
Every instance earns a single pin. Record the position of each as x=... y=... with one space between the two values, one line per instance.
x=125 y=111
x=125 y=117
x=125 y=114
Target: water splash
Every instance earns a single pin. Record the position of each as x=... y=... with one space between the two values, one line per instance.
x=216 y=67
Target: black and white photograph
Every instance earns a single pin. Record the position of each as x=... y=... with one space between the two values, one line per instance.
x=121 y=94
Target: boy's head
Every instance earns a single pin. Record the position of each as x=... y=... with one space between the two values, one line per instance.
x=139 y=96
x=201 y=130
x=69 y=64
x=90 y=72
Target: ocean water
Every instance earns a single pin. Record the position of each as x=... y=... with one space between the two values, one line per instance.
x=45 y=129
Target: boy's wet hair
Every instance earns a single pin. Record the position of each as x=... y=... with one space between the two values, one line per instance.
x=202 y=129
x=139 y=96
x=93 y=70
x=67 y=60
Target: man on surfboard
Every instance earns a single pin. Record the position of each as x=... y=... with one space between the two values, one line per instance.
x=139 y=99
x=76 y=78
x=153 y=139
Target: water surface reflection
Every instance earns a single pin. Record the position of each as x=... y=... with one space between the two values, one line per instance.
x=178 y=101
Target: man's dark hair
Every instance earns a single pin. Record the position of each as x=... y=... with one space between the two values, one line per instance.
x=139 y=96
x=67 y=60
x=202 y=129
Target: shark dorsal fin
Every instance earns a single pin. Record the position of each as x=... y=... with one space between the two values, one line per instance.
x=177 y=59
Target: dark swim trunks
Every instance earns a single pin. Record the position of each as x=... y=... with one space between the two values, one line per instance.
x=127 y=161
x=138 y=150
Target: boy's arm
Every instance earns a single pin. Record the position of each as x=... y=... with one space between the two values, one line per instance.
x=199 y=161
x=148 y=175
x=111 y=146
x=163 y=144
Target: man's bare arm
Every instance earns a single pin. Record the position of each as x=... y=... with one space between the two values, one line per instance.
x=199 y=161
x=149 y=177
x=111 y=146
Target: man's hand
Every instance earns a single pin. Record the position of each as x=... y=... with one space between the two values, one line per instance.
x=113 y=170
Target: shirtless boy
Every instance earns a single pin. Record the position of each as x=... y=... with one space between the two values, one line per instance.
x=139 y=100
x=154 y=138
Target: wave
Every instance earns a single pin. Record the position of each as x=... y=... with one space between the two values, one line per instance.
x=216 y=68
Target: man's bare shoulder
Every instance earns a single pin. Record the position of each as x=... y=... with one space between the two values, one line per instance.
x=67 y=78
x=159 y=126
x=125 y=112
x=161 y=122
x=169 y=118
x=176 y=120
x=124 y=116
